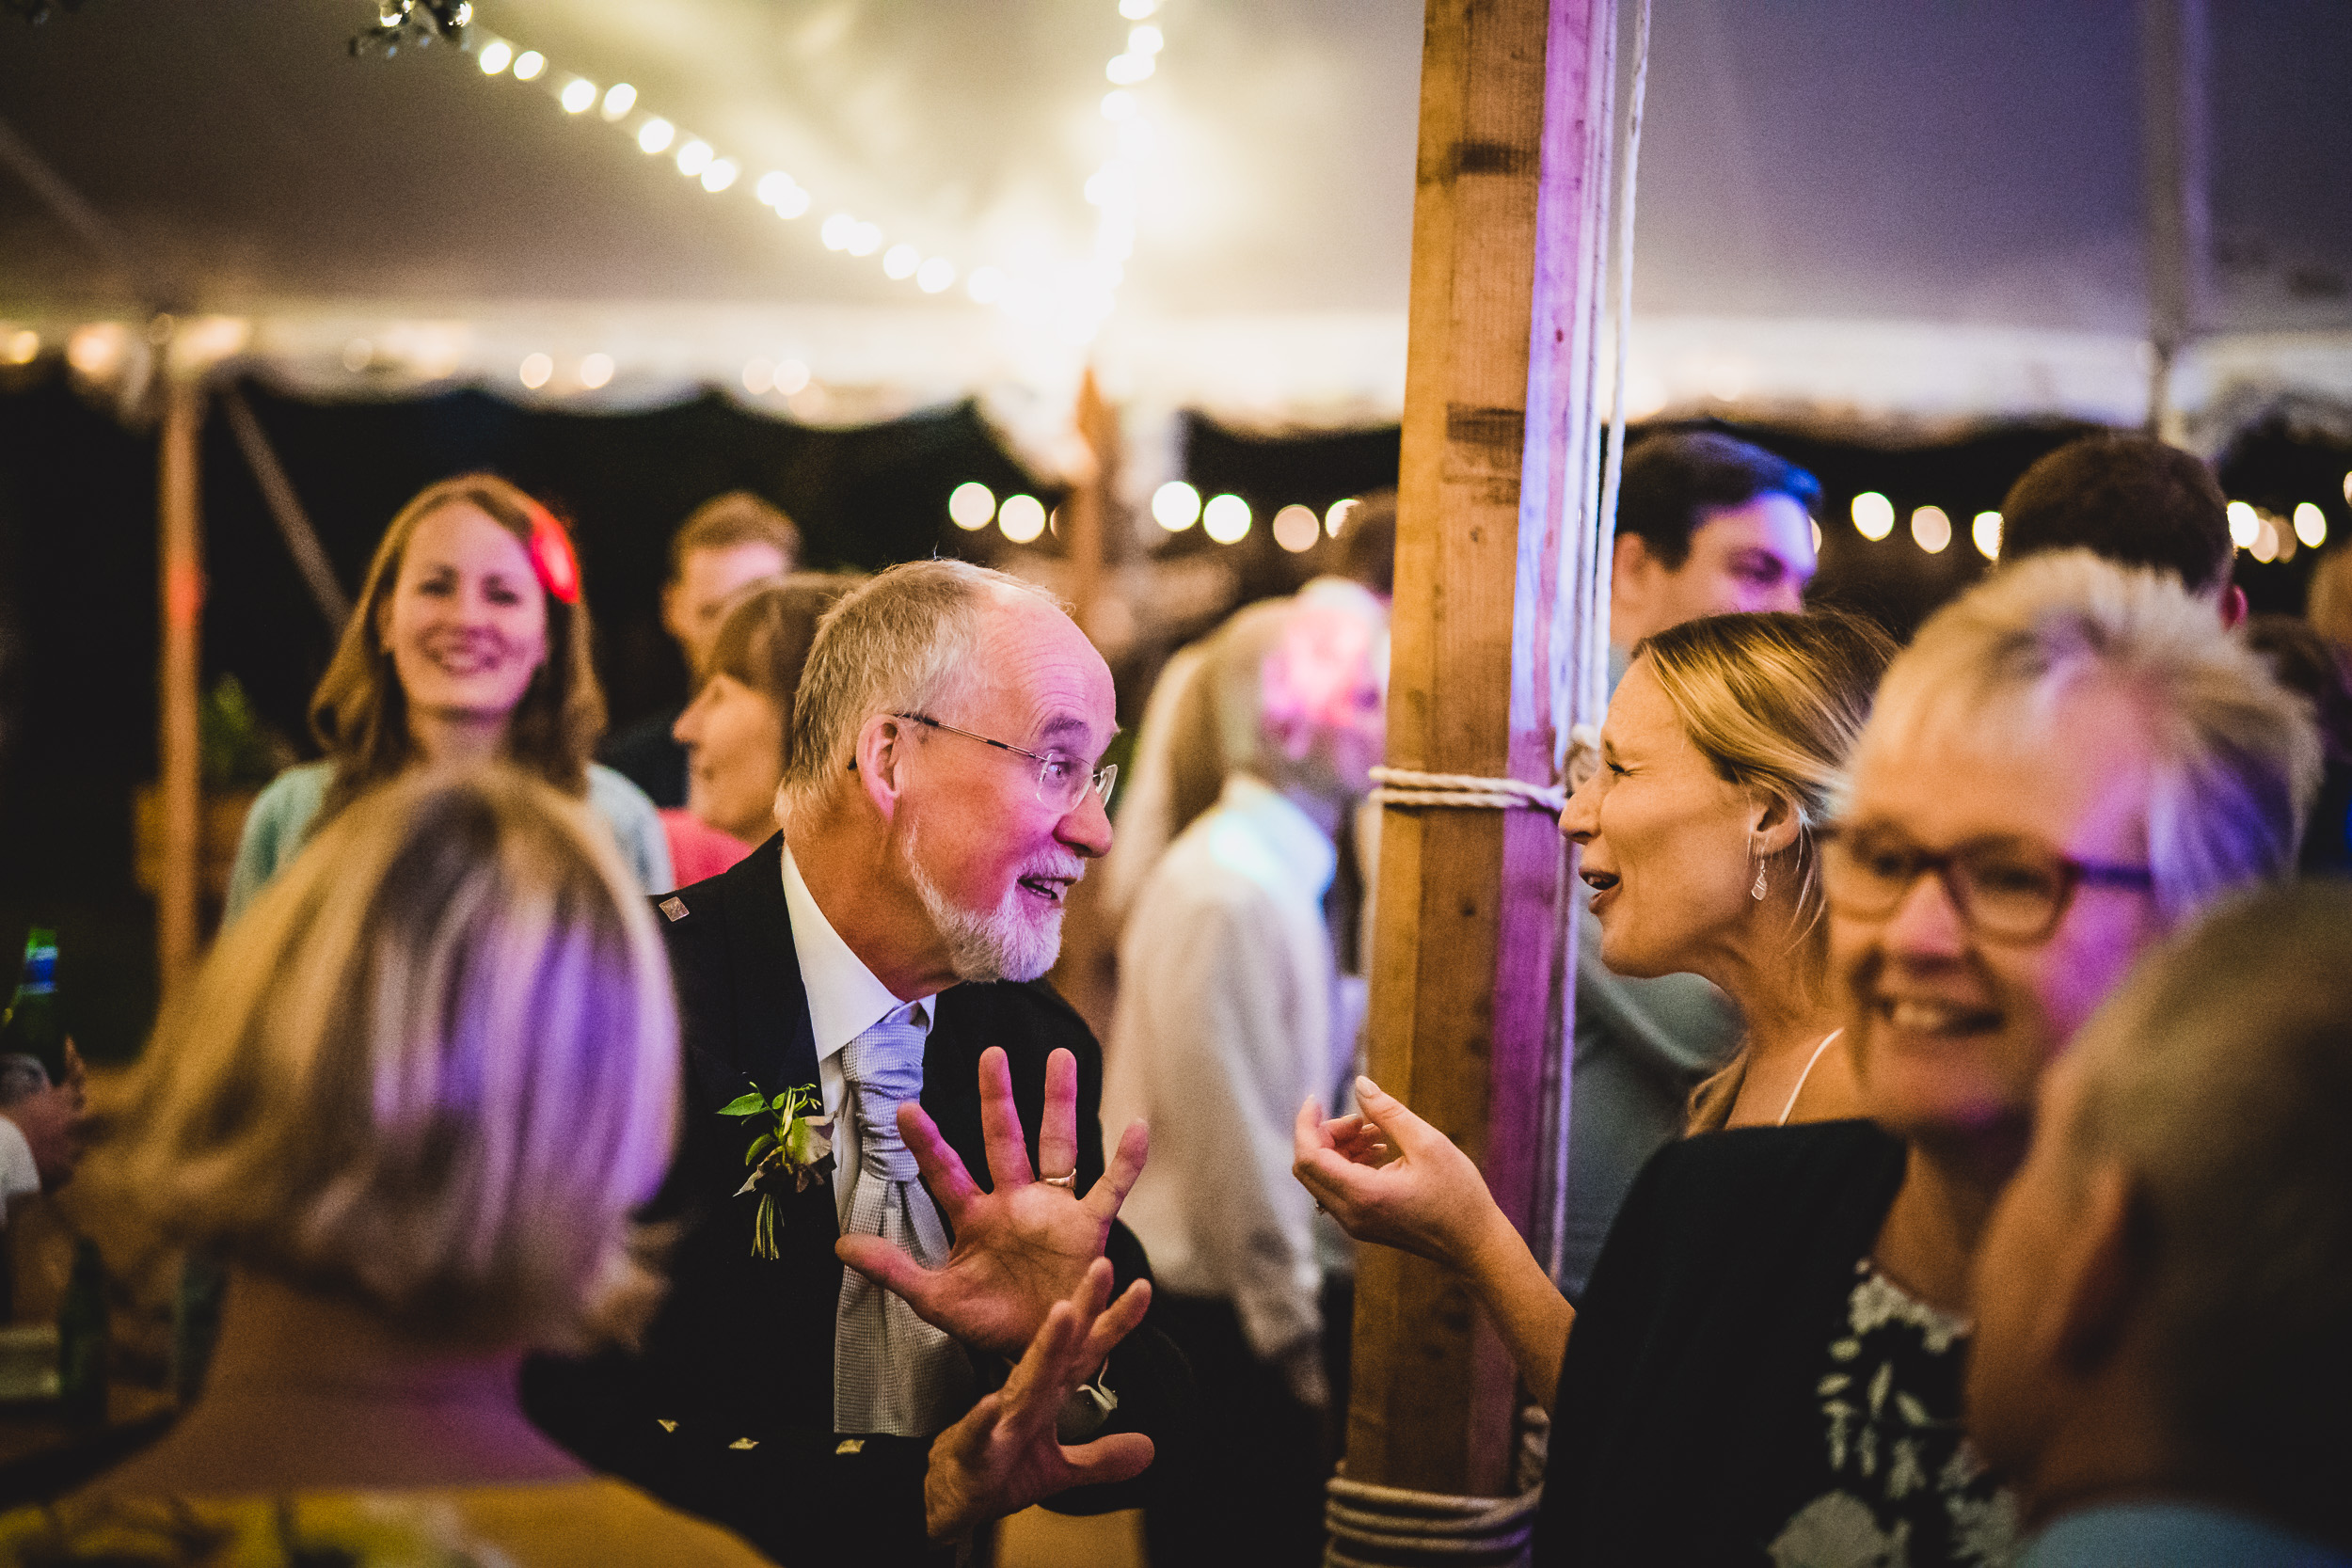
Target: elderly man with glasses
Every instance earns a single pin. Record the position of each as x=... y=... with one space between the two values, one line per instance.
x=880 y=961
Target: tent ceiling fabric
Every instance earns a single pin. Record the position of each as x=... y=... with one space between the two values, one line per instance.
x=1846 y=208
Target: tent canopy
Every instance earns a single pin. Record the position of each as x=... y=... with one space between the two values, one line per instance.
x=1847 y=209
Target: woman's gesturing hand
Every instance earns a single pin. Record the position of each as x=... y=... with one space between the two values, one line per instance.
x=1387 y=1176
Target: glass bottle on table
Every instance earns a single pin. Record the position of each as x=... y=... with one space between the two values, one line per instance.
x=34 y=1032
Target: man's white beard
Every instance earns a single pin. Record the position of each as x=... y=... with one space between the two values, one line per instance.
x=1006 y=942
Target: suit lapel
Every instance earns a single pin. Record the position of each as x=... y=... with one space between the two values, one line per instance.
x=776 y=1046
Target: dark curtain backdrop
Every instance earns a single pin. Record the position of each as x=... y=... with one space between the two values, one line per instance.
x=77 y=572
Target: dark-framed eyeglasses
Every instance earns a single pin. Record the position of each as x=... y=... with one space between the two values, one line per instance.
x=1062 y=779
x=2007 y=887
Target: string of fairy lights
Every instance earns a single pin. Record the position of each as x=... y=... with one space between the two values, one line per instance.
x=1071 y=299
x=2266 y=535
x=1175 y=507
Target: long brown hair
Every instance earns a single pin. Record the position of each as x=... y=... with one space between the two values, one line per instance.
x=360 y=712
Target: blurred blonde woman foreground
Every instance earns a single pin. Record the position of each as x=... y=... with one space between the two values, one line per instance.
x=412 y=1100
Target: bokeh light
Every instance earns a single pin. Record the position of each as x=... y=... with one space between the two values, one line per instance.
x=618 y=100
x=1297 y=529
x=1336 y=517
x=759 y=375
x=495 y=56
x=1986 y=530
x=1932 y=529
x=578 y=94
x=2311 y=525
x=537 y=369
x=596 y=370
x=1226 y=518
x=1873 y=515
x=655 y=134
x=2245 y=528
x=1022 y=518
x=529 y=64
x=971 y=505
x=1175 y=506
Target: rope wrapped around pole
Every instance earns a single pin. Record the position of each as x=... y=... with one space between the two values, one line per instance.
x=1409 y=787
x=1389 y=1526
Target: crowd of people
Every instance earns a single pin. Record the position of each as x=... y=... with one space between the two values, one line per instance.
x=683 y=1157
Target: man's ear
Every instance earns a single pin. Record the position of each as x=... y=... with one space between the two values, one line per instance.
x=1631 y=561
x=883 y=742
x=2099 y=1274
x=2232 y=607
x=674 y=611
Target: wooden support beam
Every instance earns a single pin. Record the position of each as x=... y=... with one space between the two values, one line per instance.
x=1469 y=965
x=2173 y=136
x=179 y=576
x=1086 y=513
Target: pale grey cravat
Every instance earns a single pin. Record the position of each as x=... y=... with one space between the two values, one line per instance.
x=892 y=1371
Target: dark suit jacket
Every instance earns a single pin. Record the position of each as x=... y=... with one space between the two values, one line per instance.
x=743 y=1348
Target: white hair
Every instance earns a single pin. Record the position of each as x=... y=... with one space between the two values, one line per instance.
x=2236 y=756
x=904 y=643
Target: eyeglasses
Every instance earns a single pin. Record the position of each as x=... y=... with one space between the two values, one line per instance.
x=2009 y=888
x=1061 y=779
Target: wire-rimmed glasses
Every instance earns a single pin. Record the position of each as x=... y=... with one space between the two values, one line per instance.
x=2007 y=887
x=1062 y=779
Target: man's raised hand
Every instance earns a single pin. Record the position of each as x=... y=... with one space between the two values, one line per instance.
x=1003 y=1456
x=1020 y=1248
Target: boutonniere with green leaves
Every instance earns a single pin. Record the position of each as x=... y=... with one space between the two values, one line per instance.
x=797 y=1145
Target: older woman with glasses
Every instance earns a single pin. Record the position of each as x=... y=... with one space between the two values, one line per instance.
x=2068 y=763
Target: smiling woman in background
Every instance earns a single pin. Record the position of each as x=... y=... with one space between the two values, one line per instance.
x=736 y=731
x=469 y=643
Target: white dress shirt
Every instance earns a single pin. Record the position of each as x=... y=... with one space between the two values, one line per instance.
x=844 y=1001
x=1225 y=1020
x=20 y=1176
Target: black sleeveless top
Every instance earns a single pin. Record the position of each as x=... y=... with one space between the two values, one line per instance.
x=1743 y=1387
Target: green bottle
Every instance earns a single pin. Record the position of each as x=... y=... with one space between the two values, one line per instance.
x=33 y=1028
x=82 y=1334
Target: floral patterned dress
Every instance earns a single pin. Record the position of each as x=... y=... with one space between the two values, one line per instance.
x=1903 y=1484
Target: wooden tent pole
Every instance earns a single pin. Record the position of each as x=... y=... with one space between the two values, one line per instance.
x=1470 y=965
x=181 y=577
x=2173 y=95
x=1086 y=513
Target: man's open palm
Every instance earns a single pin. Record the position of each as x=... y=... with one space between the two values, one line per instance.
x=1022 y=1245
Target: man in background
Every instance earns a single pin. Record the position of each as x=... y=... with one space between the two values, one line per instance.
x=2160 y=1365
x=1229 y=1015
x=1706 y=524
x=2134 y=500
x=725 y=545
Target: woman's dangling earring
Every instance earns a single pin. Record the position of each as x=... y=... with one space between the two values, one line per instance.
x=1756 y=891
